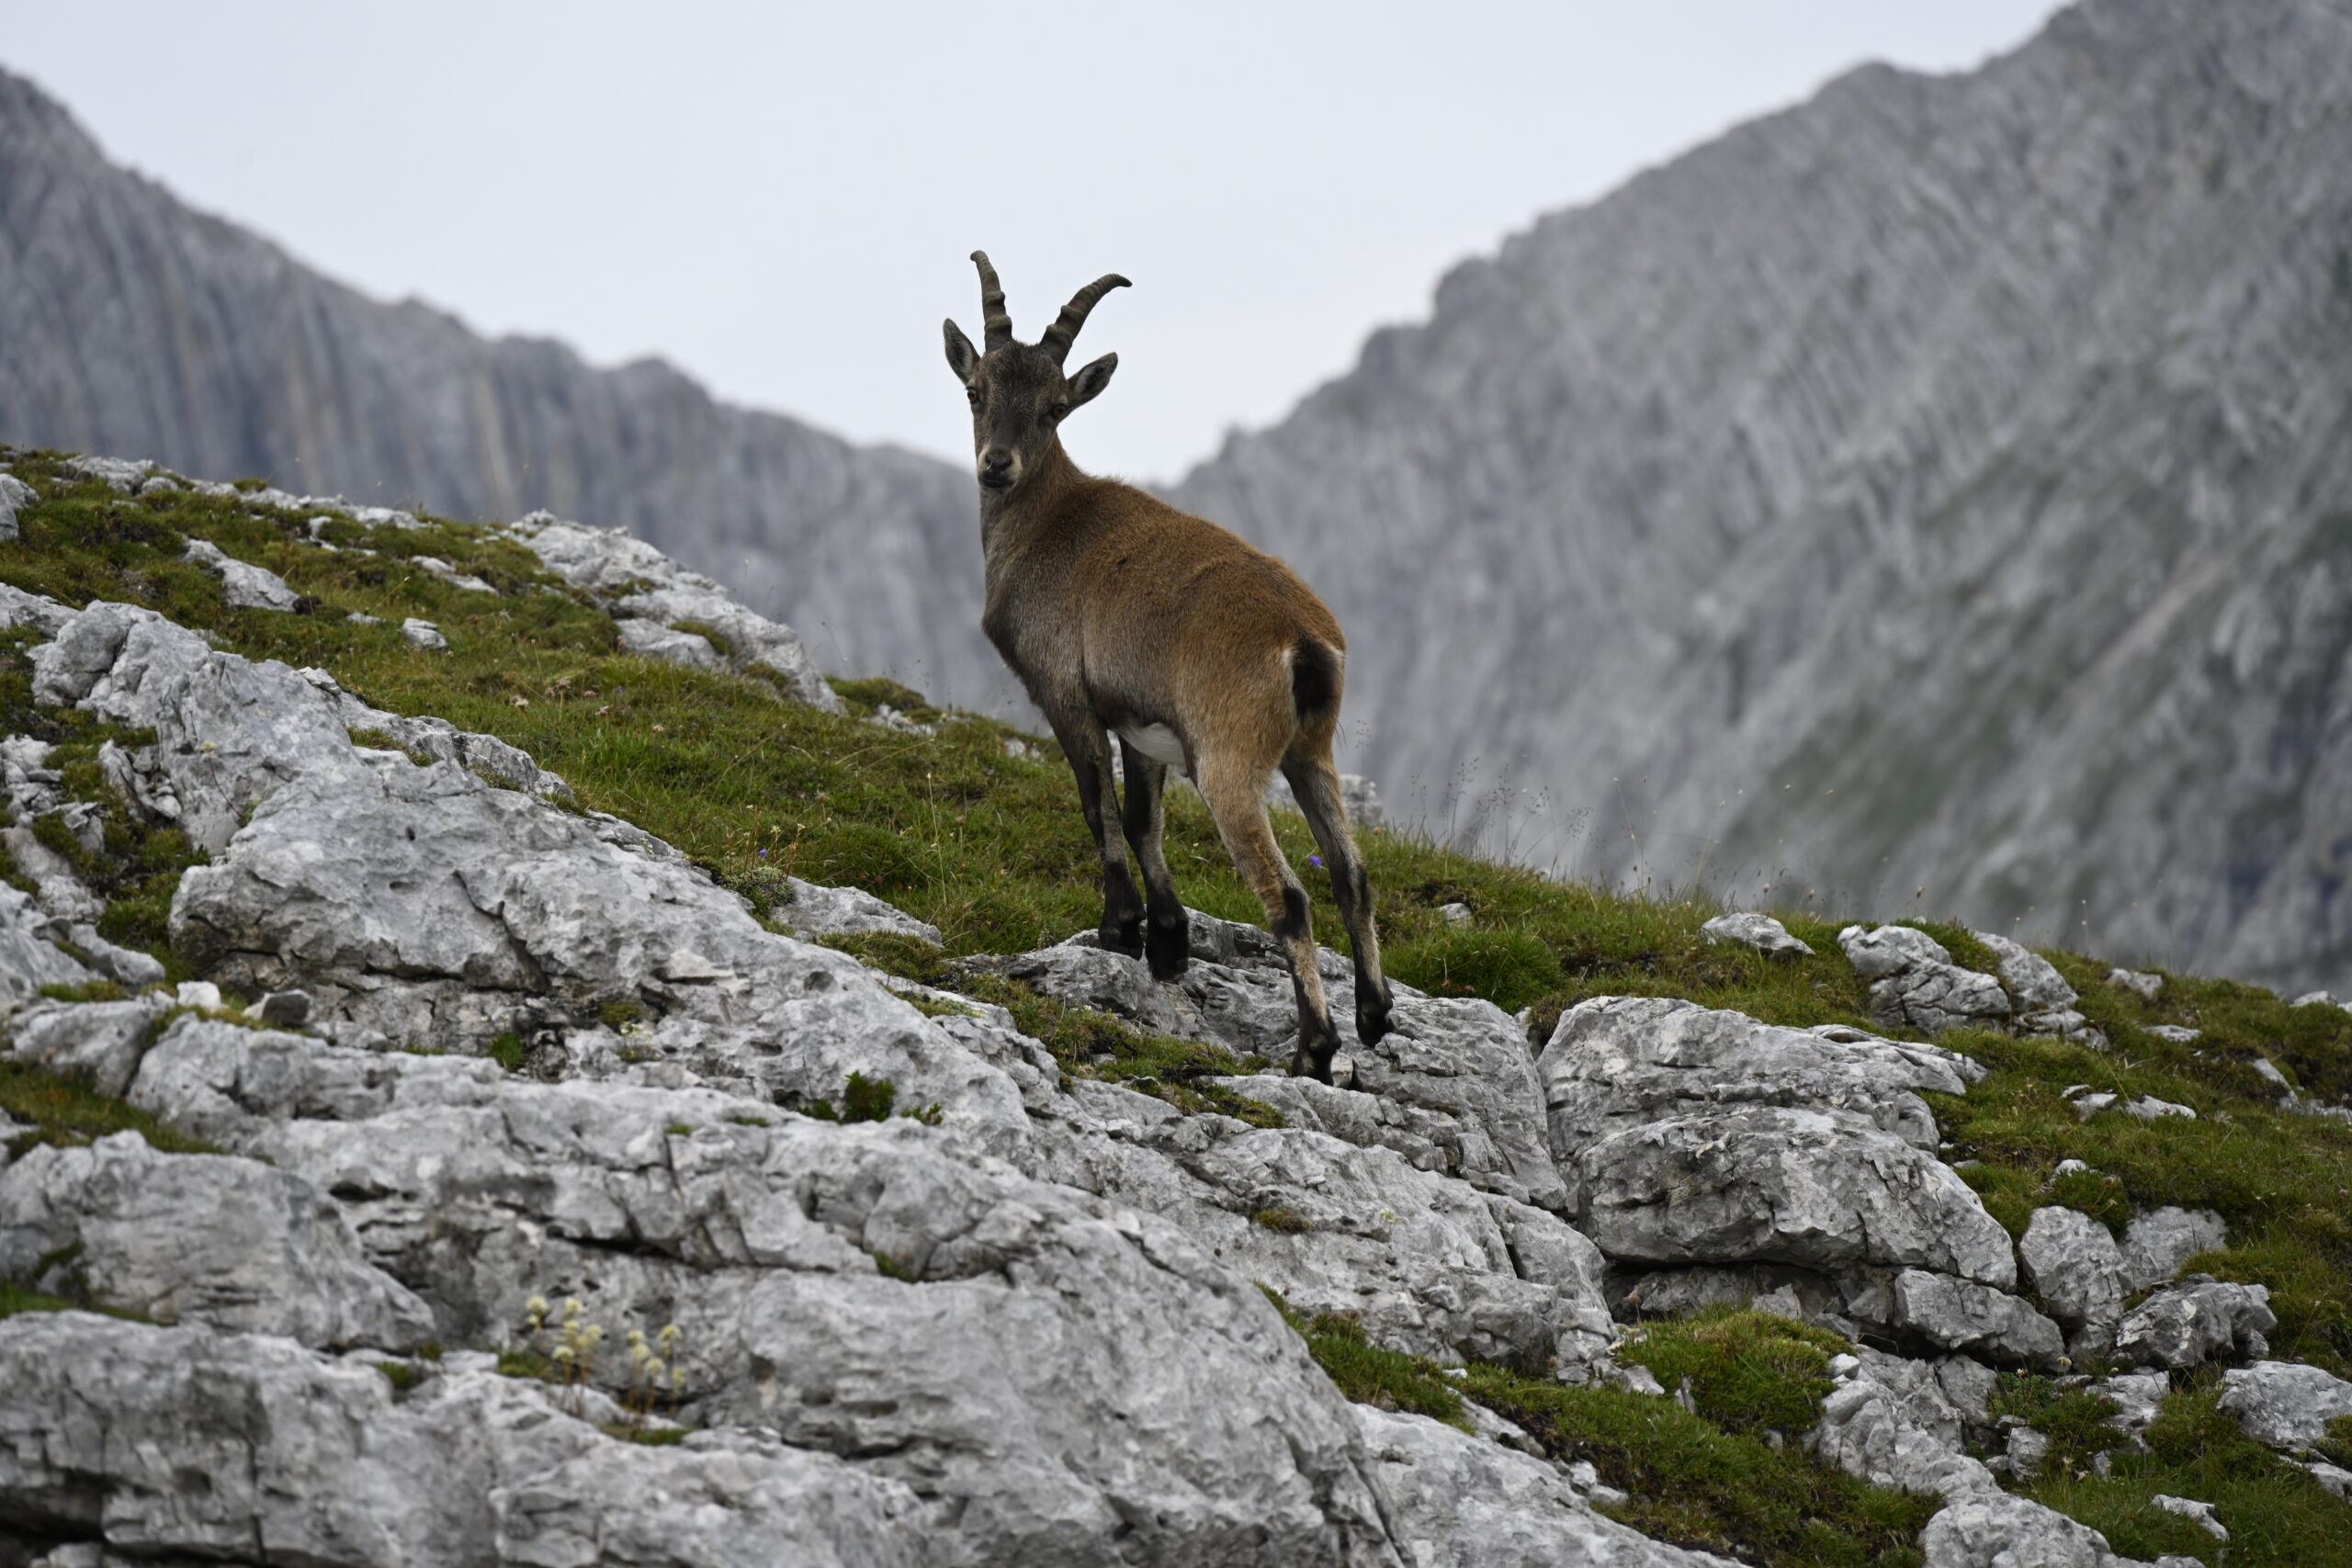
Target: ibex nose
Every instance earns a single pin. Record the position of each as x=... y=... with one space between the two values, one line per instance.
x=996 y=466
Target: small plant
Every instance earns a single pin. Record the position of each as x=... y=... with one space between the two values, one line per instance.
x=1282 y=1221
x=509 y=1052
x=574 y=1358
x=651 y=1368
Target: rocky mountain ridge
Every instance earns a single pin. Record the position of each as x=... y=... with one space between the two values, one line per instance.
x=508 y=1054
x=138 y=325
x=1931 y=495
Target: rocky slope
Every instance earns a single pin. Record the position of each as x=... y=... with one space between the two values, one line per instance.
x=1936 y=489
x=484 y=1054
x=141 y=326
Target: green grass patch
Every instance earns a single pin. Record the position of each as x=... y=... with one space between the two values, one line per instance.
x=1388 y=1380
x=2283 y=1182
x=2277 y=1517
x=68 y=1113
x=1694 y=1484
x=1749 y=1371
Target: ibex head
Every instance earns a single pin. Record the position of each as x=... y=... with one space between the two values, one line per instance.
x=1018 y=393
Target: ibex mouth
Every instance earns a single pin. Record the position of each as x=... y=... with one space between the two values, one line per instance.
x=996 y=479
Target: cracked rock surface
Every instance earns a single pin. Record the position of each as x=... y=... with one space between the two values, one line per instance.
x=1016 y=1331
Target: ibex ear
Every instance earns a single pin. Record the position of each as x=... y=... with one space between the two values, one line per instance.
x=1088 y=384
x=961 y=354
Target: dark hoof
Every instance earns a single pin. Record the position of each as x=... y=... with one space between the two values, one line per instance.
x=1311 y=1064
x=1372 y=1022
x=1169 y=949
x=1122 y=936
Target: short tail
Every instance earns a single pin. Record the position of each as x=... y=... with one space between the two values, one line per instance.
x=1314 y=679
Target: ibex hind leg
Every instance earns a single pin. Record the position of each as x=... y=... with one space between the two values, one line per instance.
x=1168 y=938
x=1238 y=805
x=1315 y=780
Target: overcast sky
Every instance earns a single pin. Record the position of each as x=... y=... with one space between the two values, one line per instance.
x=780 y=199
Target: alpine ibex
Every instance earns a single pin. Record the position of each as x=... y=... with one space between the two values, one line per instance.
x=1121 y=614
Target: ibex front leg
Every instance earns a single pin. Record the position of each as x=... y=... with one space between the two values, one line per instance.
x=1169 y=943
x=1088 y=747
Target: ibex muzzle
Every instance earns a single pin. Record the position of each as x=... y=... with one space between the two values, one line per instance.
x=1124 y=616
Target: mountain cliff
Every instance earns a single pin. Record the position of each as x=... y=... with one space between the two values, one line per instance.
x=1940 y=492
x=135 y=324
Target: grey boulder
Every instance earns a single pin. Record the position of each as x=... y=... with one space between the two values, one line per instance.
x=1961 y=1315
x=2284 y=1403
x=1766 y=1184
x=1614 y=1063
x=98 y=1043
x=827 y=911
x=243 y=584
x=14 y=495
x=2156 y=1244
x=178 y=1445
x=1915 y=984
x=638 y=583
x=198 y=1238
x=2073 y=1263
x=2184 y=1324
x=2033 y=981
x=1459 y=1501
x=652 y=639
x=28 y=958
x=1432 y=1266
x=1749 y=929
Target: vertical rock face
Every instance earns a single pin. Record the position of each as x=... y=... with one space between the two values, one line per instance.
x=137 y=325
x=1937 y=485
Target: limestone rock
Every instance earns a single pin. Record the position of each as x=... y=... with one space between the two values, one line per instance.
x=1878 y=952
x=824 y=911
x=1993 y=1529
x=2284 y=1403
x=423 y=636
x=14 y=495
x=28 y=958
x=243 y=585
x=992 y=1361
x=198 y=1238
x=2145 y=984
x=2073 y=1263
x=120 y=474
x=1457 y=1501
x=1934 y=998
x=1433 y=1266
x=1889 y=1423
x=2033 y=981
x=1960 y=1314
x=1454 y=1071
x=1761 y=931
x=1614 y=1063
x=1764 y=1183
x=2182 y=1325
x=177 y=1444
x=652 y=639
x=2139 y=1398
x=98 y=1043
x=640 y=584
x=60 y=892
x=2156 y=1244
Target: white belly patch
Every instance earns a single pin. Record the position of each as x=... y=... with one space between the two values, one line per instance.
x=1157 y=743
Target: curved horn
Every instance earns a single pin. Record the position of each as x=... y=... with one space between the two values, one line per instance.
x=1064 y=331
x=994 y=322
